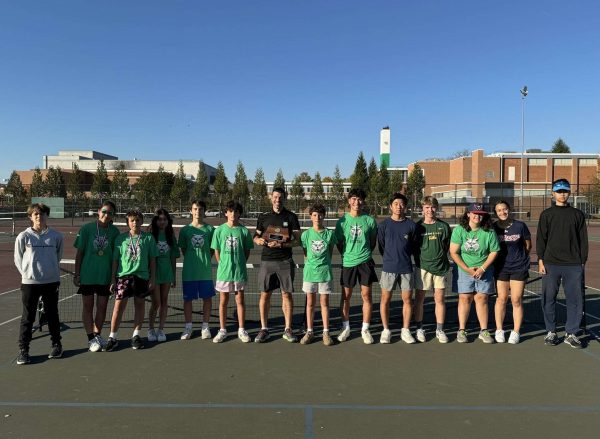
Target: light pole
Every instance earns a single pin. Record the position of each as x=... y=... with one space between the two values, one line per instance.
x=524 y=93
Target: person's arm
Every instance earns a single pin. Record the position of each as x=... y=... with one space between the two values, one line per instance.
x=78 y=260
x=19 y=250
x=584 y=243
x=484 y=267
x=373 y=237
x=152 y=273
x=527 y=245
x=458 y=260
x=59 y=247
x=381 y=239
x=217 y=255
x=540 y=242
x=174 y=268
x=113 y=276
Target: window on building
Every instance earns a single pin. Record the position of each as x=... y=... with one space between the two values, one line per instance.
x=563 y=162
x=489 y=174
x=588 y=162
x=511 y=173
x=537 y=162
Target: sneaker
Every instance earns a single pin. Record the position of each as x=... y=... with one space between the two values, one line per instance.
x=366 y=336
x=514 y=338
x=461 y=336
x=186 y=334
x=206 y=334
x=421 y=335
x=221 y=336
x=288 y=335
x=101 y=341
x=137 y=342
x=111 y=344
x=327 y=340
x=441 y=336
x=386 y=336
x=573 y=341
x=308 y=337
x=23 y=357
x=551 y=339
x=406 y=336
x=344 y=335
x=243 y=335
x=160 y=336
x=499 y=336
x=94 y=345
x=262 y=336
x=152 y=336
x=485 y=336
x=56 y=351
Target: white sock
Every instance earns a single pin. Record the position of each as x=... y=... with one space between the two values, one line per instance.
x=325 y=330
x=188 y=326
x=346 y=324
x=136 y=332
x=113 y=335
x=365 y=326
x=309 y=329
x=241 y=329
x=204 y=325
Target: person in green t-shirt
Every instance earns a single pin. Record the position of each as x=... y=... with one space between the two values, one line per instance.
x=432 y=264
x=473 y=247
x=167 y=249
x=317 y=243
x=93 y=264
x=356 y=234
x=133 y=274
x=194 y=242
x=232 y=243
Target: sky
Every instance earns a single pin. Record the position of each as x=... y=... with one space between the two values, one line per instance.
x=298 y=85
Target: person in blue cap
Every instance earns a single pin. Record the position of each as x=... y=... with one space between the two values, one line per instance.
x=562 y=249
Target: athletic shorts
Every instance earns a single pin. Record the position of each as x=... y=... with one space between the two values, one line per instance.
x=197 y=289
x=363 y=273
x=506 y=276
x=391 y=281
x=90 y=290
x=463 y=283
x=425 y=281
x=317 y=287
x=223 y=286
x=274 y=275
x=131 y=286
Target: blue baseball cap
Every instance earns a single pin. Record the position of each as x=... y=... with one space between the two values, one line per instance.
x=561 y=185
x=476 y=208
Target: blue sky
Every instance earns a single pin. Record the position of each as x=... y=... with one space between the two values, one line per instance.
x=301 y=85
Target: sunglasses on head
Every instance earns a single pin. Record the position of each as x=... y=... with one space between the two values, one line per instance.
x=107 y=212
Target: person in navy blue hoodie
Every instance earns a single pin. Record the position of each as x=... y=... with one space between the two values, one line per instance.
x=562 y=249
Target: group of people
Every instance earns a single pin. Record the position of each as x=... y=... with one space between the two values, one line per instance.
x=489 y=257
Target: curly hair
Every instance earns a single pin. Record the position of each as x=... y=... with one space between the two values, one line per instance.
x=486 y=221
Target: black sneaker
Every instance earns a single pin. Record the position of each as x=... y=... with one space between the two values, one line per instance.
x=262 y=336
x=111 y=344
x=573 y=341
x=137 y=342
x=56 y=351
x=551 y=339
x=23 y=357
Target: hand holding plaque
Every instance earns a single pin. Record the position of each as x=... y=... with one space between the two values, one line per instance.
x=276 y=233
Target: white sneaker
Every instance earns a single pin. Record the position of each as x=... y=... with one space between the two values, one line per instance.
x=421 y=335
x=441 y=336
x=160 y=336
x=206 y=333
x=151 y=335
x=514 y=338
x=94 y=344
x=186 y=334
x=406 y=336
x=344 y=334
x=499 y=336
x=386 y=336
x=220 y=337
x=366 y=336
x=243 y=335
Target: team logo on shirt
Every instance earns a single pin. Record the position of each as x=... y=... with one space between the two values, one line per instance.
x=356 y=231
x=472 y=244
x=317 y=247
x=162 y=247
x=198 y=241
x=100 y=242
x=231 y=242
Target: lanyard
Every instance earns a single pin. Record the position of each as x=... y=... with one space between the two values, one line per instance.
x=134 y=248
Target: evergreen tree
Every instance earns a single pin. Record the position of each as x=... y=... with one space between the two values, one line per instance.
x=221 y=185
x=75 y=184
x=383 y=186
x=15 y=188
x=101 y=183
x=297 y=192
x=259 y=189
x=415 y=184
x=337 y=188
x=396 y=182
x=317 y=193
x=119 y=186
x=240 y=191
x=560 y=147
x=161 y=187
x=142 y=189
x=279 y=180
x=359 y=178
x=201 y=187
x=38 y=188
x=373 y=182
x=55 y=184
x=180 y=190
x=304 y=176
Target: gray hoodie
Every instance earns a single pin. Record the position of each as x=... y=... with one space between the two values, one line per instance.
x=37 y=256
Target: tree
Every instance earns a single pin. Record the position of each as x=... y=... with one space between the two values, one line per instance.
x=240 y=185
x=101 y=183
x=337 y=188
x=119 y=186
x=593 y=194
x=382 y=189
x=15 y=188
x=297 y=192
x=359 y=178
x=142 y=189
x=259 y=189
x=560 y=147
x=279 y=180
x=161 y=186
x=75 y=184
x=396 y=182
x=180 y=191
x=317 y=194
x=373 y=182
x=304 y=176
x=459 y=154
x=221 y=184
x=55 y=184
x=201 y=187
x=38 y=188
x=415 y=184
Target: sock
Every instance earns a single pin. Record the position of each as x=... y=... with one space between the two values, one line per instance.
x=241 y=329
x=90 y=336
x=439 y=326
x=309 y=329
x=325 y=330
x=97 y=334
x=419 y=325
x=113 y=335
x=188 y=326
x=346 y=324
x=136 y=332
x=204 y=325
x=365 y=326
x=483 y=329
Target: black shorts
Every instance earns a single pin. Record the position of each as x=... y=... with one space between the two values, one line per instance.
x=131 y=286
x=90 y=290
x=506 y=276
x=364 y=273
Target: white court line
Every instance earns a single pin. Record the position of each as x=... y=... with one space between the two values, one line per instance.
x=18 y=317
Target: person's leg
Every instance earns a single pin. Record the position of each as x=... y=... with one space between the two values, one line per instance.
x=100 y=317
x=264 y=305
x=550 y=286
x=310 y=310
x=440 y=306
x=206 y=310
x=367 y=299
x=287 y=305
x=241 y=308
x=188 y=306
x=139 y=311
x=406 y=308
x=572 y=280
x=517 y=287
x=502 y=288
x=87 y=313
x=154 y=307
x=345 y=298
x=418 y=305
x=30 y=295
x=325 y=311
x=464 y=307
x=481 y=308
x=115 y=322
x=50 y=298
x=164 y=305
x=223 y=301
x=384 y=308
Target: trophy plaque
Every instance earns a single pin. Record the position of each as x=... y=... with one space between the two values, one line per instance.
x=276 y=233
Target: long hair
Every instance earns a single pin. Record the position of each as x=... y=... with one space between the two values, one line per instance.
x=168 y=230
x=486 y=222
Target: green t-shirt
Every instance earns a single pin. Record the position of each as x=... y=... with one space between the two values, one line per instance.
x=476 y=245
x=232 y=243
x=194 y=243
x=318 y=245
x=355 y=233
x=164 y=269
x=433 y=242
x=134 y=254
x=97 y=245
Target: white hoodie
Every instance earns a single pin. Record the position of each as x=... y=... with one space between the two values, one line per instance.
x=38 y=255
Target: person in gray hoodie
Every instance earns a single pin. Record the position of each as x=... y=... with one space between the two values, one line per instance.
x=38 y=251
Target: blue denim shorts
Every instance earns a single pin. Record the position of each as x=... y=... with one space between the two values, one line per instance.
x=463 y=283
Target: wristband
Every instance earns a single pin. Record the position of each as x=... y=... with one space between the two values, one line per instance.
x=483 y=269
